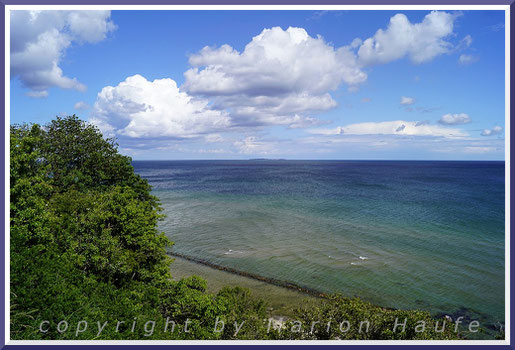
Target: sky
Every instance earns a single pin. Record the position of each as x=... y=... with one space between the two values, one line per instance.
x=407 y=85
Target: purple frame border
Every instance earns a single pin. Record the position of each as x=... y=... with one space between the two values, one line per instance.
x=3 y=101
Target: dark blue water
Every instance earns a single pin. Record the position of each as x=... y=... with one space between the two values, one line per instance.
x=405 y=234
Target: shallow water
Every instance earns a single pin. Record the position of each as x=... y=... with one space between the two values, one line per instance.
x=426 y=235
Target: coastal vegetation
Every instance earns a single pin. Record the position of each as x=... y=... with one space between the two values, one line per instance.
x=88 y=262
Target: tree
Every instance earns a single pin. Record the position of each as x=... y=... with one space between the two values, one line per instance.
x=81 y=222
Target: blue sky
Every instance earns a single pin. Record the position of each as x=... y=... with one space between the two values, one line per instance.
x=274 y=84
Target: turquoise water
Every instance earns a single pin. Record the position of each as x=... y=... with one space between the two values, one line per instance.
x=426 y=235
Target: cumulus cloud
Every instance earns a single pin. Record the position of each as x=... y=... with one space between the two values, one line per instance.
x=284 y=77
x=496 y=130
x=455 y=119
x=467 y=59
x=39 y=40
x=397 y=127
x=280 y=75
x=407 y=100
x=420 y=42
x=140 y=108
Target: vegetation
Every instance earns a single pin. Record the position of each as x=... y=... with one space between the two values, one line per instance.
x=87 y=260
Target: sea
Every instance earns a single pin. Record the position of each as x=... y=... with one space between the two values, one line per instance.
x=426 y=235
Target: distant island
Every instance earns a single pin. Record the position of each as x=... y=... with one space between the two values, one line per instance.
x=264 y=159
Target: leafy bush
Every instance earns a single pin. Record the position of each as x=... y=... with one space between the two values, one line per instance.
x=352 y=318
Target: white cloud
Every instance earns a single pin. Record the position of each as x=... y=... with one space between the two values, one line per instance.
x=407 y=100
x=39 y=40
x=140 y=108
x=421 y=42
x=281 y=75
x=284 y=77
x=467 y=59
x=490 y=132
x=90 y=26
x=397 y=127
x=81 y=105
x=455 y=119
x=280 y=60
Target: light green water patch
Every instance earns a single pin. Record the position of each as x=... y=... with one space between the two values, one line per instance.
x=402 y=263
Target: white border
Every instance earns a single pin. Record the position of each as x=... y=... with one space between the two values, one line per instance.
x=506 y=8
x=256 y=7
x=507 y=163
x=7 y=213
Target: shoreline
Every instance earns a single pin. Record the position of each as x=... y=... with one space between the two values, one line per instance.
x=281 y=296
x=271 y=281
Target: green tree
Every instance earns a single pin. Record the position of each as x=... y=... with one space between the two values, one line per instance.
x=81 y=222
